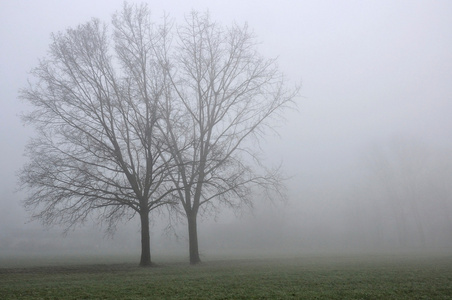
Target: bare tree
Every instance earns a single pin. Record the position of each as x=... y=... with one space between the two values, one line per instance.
x=221 y=98
x=98 y=148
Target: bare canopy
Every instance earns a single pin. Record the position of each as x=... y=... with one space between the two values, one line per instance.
x=148 y=116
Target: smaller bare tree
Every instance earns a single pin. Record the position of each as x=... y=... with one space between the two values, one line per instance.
x=222 y=97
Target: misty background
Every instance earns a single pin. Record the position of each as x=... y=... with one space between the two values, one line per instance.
x=369 y=153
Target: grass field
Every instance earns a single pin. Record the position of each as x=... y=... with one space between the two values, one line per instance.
x=377 y=277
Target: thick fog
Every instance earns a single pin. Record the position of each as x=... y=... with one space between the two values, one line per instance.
x=368 y=153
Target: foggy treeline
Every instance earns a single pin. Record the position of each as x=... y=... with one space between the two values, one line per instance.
x=408 y=194
x=395 y=196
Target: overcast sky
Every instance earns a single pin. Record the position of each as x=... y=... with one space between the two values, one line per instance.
x=370 y=70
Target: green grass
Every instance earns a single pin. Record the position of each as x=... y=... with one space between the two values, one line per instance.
x=379 y=277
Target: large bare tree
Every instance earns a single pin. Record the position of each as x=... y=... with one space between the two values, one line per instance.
x=222 y=96
x=98 y=148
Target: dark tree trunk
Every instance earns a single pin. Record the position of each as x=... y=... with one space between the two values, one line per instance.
x=193 y=239
x=145 y=240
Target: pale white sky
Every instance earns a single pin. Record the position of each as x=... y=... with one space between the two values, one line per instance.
x=370 y=70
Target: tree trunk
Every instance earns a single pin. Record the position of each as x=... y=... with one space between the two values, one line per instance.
x=193 y=239
x=145 y=240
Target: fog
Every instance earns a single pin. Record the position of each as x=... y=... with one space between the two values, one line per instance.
x=368 y=153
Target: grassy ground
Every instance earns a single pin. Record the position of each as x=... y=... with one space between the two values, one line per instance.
x=380 y=277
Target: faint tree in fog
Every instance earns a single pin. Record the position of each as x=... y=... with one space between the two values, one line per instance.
x=98 y=149
x=412 y=182
x=222 y=99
